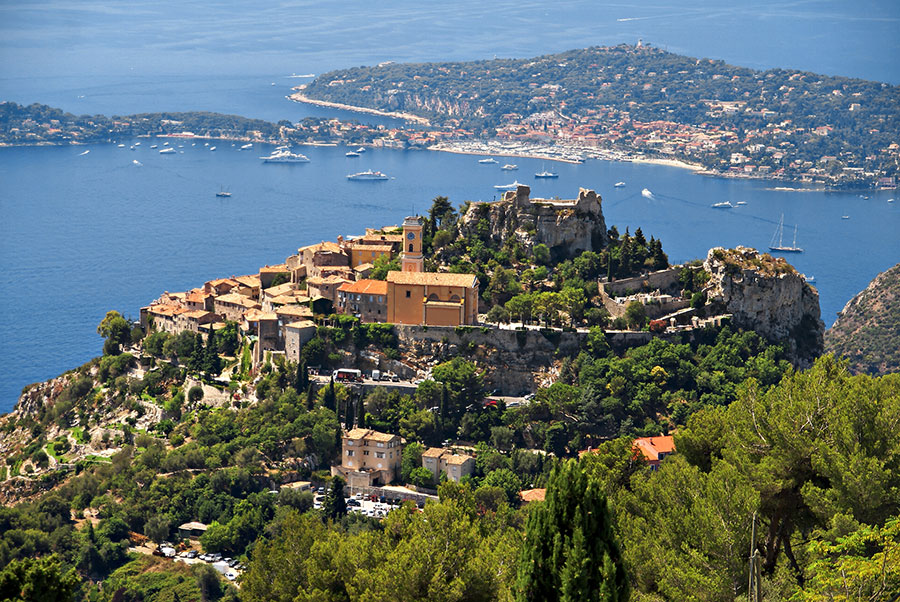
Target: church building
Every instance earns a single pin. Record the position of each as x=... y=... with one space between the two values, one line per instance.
x=415 y=296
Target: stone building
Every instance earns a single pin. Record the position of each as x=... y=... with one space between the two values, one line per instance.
x=455 y=466
x=369 y=458
x=365 y=299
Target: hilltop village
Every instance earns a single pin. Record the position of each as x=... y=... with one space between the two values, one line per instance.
x=442 y=379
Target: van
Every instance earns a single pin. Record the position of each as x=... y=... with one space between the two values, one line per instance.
x=376 y=374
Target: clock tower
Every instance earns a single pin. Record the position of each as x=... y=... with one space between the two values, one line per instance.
x=411 y=259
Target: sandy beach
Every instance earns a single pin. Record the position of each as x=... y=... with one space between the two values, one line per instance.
x=668 y=162
x=298 y=96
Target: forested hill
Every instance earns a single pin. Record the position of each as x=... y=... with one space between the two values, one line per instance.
x=868 y=328
x=607 y=90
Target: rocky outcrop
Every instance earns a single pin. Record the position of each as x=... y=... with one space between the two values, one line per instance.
x=868 y=328
x=767 y=295
x=565 y=226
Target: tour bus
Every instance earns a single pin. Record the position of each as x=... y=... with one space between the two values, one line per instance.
x=347 y=375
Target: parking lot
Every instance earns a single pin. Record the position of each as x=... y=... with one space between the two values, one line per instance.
x=364 y=504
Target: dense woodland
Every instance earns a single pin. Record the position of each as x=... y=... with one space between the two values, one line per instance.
x=813 y=454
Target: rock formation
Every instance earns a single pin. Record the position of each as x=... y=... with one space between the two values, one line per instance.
x=565 y=226
x=868 y=328
x=767 y=295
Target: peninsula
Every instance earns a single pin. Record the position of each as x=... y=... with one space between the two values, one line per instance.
x=644 y=102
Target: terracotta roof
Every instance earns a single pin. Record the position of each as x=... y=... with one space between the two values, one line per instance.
x=193 y=526
x=652 y=447
x=370 y=247
x=167 y=310
x=365 y=287
x=433 y=279
x=329 y=247
x=376 y=238
x=237 y=299
x=281 y=289
x=219 y=281
x=533 y=495
x=251 y=280
x=196 y=296
x=364 y=267
x=301 y=324
x=255 y=315
x=458 y=459
x=274 y=268
x=197 y=314
x=294 y=310
x=326 y=280
x=434 y=452
x=370 y=435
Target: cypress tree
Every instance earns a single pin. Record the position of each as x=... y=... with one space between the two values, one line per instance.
x=349 y=418
x=310 y=397
x=570 y=552
x=361 y=412
x=329 y=400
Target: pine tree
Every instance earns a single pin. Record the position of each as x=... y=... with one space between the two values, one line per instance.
x=212 y=363
x=335 y=506
x=570 y=552
x=301 y=381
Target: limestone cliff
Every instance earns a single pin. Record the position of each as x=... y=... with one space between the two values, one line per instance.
x=565 y=226
x=767 y=295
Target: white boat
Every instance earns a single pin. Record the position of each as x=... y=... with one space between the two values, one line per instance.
x=84 y=153
x=367 y=175
x=206 y=144
x=808 y=278
x=779 y=234
x=136 y=162
x=741 y=203
x=223 y=193
x=723 y=205
x=512 y=186
x=212 y=148
x=132 y=147
x=246 y=146
x=488 y=161
x=165 y=144
x=546 y=174
x=283 y=155
x=619 y=185
x=137 y=143
x=121 y=146
x=167 y=151
x=361 y=149
x=351 y=154
x=845 y=217
x=154 y=146
x=890 y=200
x=647 y=194
x=510 y=167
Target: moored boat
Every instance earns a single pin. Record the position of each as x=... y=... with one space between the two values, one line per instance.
x=367 y=175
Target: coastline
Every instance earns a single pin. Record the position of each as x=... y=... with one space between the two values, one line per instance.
x=669 y=163
x=510 y=154
x=298 y=96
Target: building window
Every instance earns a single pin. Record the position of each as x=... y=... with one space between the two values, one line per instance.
x=349 y=452
x=408 y=294
x=410 y=248
x=366 y=452
x=379 y=454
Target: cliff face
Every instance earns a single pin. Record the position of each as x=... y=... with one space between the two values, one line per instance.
x=868 y=328
x=565 y=226
x=766 y=294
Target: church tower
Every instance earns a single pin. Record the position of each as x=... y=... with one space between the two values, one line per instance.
x=411 y=259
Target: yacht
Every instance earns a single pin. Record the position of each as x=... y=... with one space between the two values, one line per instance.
x=154 y=146
x=845 y=217
x=647 y=194
x=367 y=175
x=84 y=153
x=619 y=185
x=510 y=167
x=351 y=154
x=512 y=186
x=121 y=146
x=212 y=148
x=222 y=192
x=546 y=174
x=167 y=151
x=137 y=163
x=247 y=146
x=488 y=161
x=361 y=149
x=723 y=205
x=741 y=203
x=283 y=155
x=779 y=234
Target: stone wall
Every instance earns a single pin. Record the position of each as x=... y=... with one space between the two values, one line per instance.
x=662 y=280
x=565 y=226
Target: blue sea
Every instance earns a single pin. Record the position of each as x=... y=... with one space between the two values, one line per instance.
x=80 y=235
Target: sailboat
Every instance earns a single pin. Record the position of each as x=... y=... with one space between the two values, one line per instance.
x=223 y=193
x=779 y=235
